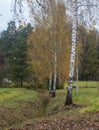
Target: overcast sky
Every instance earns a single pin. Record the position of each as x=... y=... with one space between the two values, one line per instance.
x=5 y=13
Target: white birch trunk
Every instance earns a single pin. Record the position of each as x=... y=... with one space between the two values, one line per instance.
x=72 y=59
x=77 y=78
x=55 y=70
x=77 y=71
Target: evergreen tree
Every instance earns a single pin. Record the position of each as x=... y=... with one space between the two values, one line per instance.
x=89 y=60
x=6 y=41
x=19 y=63
x=7 y=38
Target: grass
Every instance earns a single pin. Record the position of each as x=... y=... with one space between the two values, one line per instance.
x=86 y=96
x=89 y=97
x=89 y=84
x=85 y=84
x=10 y=95
x=20 y=104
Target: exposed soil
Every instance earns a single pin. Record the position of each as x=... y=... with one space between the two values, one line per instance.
x=78 y=122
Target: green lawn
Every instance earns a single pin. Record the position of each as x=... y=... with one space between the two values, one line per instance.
x=11 y=96
x=88 y=97
x=16 y=93
x=90 y=84
x=19 y=104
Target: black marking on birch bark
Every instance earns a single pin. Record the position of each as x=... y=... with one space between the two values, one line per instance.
x=72 y=59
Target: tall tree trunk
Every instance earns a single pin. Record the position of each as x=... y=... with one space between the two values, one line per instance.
x=77 y=71
x=59 y=80
x=72 y=59
x=77 y=79
x=50 y=83
x=21 y=81
x=55 y=72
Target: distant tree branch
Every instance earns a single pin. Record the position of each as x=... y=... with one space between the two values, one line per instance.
x=40 y=4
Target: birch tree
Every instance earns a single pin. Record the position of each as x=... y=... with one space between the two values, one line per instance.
x=87 y=10
x=54 y=22
x=57 y=17
x=82 y=12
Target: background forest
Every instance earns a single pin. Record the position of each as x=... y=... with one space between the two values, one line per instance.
x=27 y=54
x=41 y=59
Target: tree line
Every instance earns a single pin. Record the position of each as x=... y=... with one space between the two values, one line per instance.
x=42 y=54
x=14 y=61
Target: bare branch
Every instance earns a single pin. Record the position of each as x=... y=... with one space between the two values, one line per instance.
x=40 y=4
